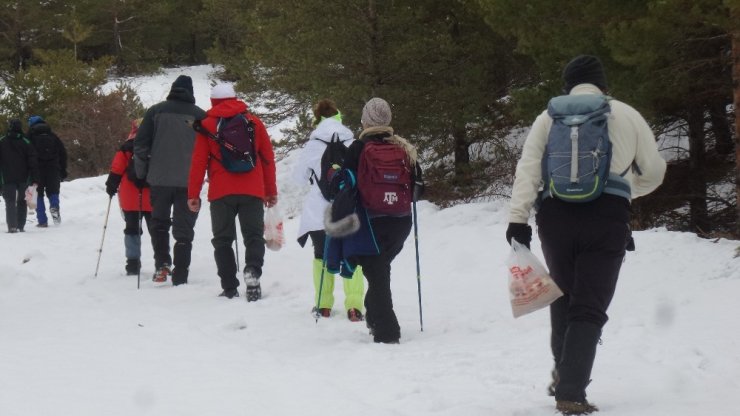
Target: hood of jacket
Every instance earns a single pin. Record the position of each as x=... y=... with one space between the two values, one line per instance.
x=39 y=128
x=386 y=133
x=228 y=108
x=181 y=94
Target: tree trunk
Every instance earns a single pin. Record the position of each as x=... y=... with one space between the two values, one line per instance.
x=723 y=141
x=699 y=217
x=462 y=155
x=736 y=91
x=372 y=57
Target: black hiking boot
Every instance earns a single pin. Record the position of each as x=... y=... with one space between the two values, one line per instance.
x=230 y=293
x=133 y=267
x=567 y=407
x=180 y=276
x=55 y=216
x=252 y=280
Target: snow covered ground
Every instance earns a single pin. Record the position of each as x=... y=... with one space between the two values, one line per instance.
x=75 y=344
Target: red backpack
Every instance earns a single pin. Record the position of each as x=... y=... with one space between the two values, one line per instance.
x=384 y=179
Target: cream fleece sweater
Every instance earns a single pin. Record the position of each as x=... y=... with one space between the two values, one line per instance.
x=632 y=140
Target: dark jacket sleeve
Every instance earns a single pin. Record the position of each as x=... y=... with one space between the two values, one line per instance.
x=33 y=162
x=352 y=158
x=62 y=156
x=143 y=144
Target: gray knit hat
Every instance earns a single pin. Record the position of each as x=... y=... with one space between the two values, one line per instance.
x=376 y=112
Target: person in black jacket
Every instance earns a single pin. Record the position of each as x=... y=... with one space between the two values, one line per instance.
x=17 y=167
x=163 y=148
x=52 y=162
x=389 y=231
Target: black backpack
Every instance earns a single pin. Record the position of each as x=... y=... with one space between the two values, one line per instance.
x=235 y=136
x=332 y=161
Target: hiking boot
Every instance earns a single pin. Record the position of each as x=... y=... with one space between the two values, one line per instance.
x=160 y=276
x=12 y=230
x=252 y=280
x=553 y=383
x=567 y=407
x=355 y=315
x=133 y=266
x=230 y=293
x=42 y=225
x=179 y=276
x=55 y=216
x=321 y=312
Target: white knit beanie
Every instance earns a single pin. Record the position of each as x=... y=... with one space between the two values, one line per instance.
x=376 y=112
x=220 y=91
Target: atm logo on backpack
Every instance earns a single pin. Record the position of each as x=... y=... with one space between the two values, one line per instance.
x=390 y=198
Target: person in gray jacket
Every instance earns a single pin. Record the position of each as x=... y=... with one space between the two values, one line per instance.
x=583 y=243
x=162 y=151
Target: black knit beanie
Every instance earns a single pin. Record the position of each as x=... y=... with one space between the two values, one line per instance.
x=15 y=126
x=183 y=81
x=584 y=69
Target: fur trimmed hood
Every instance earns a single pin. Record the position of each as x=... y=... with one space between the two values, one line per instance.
x=407 y=146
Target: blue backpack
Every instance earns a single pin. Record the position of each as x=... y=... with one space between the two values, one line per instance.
x=575 y=165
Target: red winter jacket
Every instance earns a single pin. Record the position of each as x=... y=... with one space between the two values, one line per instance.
x=259 y=182
x=128 y=193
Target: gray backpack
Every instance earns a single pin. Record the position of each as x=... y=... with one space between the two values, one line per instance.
x=575 y=165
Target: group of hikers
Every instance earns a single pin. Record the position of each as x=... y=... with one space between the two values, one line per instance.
x=159 y=172
x=32 y=166
x=584 y=159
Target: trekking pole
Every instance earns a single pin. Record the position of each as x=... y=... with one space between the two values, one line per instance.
x=418 y=269
x=102 y=240
x=141 y=208
x=236 y=248
x=317 y=313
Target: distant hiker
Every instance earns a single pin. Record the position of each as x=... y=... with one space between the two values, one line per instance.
x=309 y=171
x=233 y=147
x=133 y=198
x=583 y=243
x=374 y=234
x=52 y=162
x=18 y=169
x=163 y=148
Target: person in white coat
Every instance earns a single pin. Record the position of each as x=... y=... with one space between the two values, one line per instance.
x=584 y=243
x=328 y=121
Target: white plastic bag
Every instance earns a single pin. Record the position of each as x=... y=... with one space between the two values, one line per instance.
x=31 y=196
x=274 y=238
x=530 y=286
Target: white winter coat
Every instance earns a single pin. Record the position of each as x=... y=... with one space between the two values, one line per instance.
x=632 y=140
x=312 y=217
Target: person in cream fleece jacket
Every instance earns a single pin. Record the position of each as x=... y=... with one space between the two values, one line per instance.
x=583 y=243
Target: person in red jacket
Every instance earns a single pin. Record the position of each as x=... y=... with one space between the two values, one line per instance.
x=133 y=198
x=231 y=194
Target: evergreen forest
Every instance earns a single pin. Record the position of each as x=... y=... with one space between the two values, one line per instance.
x=465 y=78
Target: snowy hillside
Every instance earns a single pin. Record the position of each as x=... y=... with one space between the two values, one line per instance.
x=72 y=344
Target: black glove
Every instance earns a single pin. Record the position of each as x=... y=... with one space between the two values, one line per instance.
x=520 y=232
x=630 y=245
x=141 y=183
x=111 y=185
x=63 y=174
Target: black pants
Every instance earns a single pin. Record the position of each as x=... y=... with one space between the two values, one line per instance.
x=584 y=246
x=170 y=209
x=15 y=205
x=318 y=240
x=251 y=213
x=390 y=234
